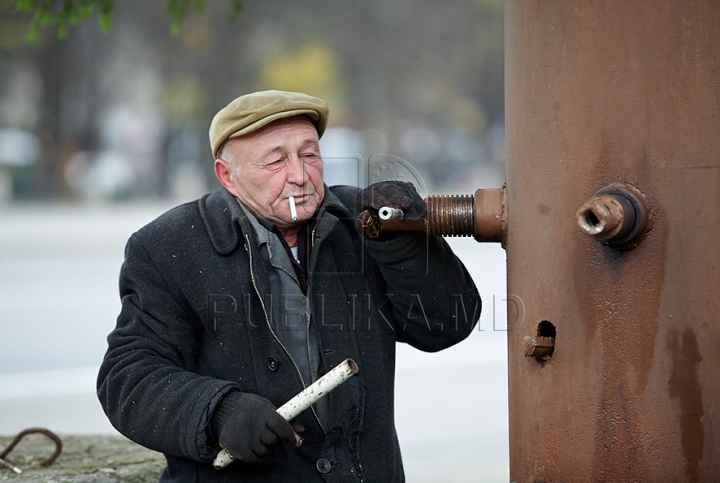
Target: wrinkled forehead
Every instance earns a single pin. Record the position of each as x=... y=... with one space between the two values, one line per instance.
x=280 y=135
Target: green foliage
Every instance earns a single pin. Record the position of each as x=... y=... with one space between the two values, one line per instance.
x=65 y=13
x=177 y=9
x=236 y=7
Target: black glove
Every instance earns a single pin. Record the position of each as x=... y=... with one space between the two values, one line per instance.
x=394 y=194
x=249 y=427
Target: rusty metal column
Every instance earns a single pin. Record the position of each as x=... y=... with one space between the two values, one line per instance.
x=606 y=101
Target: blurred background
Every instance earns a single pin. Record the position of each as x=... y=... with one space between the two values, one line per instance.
x=102 y=132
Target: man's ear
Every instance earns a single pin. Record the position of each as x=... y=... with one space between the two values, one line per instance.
x=223 y=172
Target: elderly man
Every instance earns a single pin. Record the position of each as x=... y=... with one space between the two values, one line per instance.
x=234 y=303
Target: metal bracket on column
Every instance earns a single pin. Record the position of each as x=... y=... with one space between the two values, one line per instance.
x=617 y=216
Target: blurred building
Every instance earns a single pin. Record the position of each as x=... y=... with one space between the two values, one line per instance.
x=125 y=114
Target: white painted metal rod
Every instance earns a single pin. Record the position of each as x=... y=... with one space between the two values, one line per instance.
x=309 y=396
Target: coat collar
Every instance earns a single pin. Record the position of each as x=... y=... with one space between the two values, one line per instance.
x=224 y=218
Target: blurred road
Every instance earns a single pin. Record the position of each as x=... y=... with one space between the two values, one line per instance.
x=58 y=300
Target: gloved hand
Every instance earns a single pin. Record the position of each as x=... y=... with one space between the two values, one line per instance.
x=249 y=427
x=395 y=194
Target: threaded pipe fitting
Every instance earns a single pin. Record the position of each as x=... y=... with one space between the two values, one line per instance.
x=450 y=215
x=617 y=216
x=482 y=215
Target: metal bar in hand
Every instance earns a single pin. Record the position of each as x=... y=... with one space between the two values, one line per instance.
x=309 y=396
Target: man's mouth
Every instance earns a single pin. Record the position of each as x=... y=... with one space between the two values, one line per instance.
x=299 y=198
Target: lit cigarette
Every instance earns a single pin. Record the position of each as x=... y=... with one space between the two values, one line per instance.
x=309 y=396
x=293 y=210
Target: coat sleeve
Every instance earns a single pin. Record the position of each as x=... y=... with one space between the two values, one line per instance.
x=147 y=384
x=431 y=296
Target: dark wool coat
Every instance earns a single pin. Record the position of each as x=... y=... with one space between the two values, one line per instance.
x=194 y=326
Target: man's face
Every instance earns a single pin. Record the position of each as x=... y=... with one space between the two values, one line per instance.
x=276 y=162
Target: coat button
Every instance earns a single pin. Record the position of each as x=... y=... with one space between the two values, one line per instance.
x=273 y=363
x=323 y=465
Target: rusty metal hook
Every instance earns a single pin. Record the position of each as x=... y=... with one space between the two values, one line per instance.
x=52 y=436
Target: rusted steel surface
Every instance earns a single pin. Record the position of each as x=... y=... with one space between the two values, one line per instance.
x=481 y=215
x=600 y=93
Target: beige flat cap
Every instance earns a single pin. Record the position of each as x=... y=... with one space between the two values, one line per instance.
x=250 y=112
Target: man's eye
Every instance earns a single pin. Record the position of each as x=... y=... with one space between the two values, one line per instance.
x=275 y=165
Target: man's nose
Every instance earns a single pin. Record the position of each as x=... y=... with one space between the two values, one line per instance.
x=296 y=170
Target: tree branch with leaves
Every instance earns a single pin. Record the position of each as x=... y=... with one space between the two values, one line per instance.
x=66 y=13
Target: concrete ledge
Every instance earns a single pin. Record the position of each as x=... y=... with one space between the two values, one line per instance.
x=84 y=459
